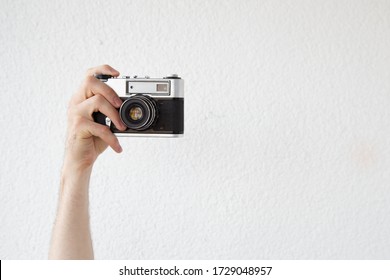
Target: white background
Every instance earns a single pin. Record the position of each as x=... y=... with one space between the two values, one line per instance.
x=286 y=152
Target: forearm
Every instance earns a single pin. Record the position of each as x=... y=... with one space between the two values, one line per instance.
x=71 y=238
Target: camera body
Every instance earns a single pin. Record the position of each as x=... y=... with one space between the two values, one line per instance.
x=151 y=106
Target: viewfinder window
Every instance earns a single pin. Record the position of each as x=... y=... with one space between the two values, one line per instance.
x=162 y=87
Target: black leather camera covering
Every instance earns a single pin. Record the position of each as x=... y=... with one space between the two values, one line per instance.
x=170 y=119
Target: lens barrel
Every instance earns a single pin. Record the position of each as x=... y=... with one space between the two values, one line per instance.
x=138 y=112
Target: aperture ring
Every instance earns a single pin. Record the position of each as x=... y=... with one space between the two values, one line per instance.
x=148 y=107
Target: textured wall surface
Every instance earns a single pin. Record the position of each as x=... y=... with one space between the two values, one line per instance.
x=286 y=153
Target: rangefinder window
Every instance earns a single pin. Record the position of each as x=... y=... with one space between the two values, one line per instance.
x=162 y=87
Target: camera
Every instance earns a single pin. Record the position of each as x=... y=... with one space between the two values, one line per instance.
x=151 y=106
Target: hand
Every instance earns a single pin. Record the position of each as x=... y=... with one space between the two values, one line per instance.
x=86 y=140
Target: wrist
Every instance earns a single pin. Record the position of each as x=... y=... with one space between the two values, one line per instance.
x=77 y=172
x=75 y=175
x=77 y=164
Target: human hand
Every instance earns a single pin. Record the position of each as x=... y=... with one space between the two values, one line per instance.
x=86 y=140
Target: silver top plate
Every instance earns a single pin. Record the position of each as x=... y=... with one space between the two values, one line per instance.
x=155 y=87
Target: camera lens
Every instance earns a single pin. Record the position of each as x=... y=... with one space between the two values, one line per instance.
x=135 y=113
x=138 y=112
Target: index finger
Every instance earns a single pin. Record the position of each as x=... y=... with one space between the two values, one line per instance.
x=102 y=69
x=92 y=86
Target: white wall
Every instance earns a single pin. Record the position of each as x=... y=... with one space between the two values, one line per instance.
x=286 y=152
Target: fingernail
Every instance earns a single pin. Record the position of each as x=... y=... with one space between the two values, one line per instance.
x=118 y=101
x=120 y=148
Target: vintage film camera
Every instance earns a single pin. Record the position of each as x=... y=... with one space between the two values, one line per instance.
x=151 y=106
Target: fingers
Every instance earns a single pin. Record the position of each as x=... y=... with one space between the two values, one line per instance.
x=93 y=86
x=98 y=103
x=102 y=69
x=103 y=132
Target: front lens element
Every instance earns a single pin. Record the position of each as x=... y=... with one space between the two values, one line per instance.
x=135 y=113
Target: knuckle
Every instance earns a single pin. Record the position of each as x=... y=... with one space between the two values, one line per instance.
x=98 y=100
x=78 y=121
x=73 y=112
x=89 y=79
x=104 y=130
x=87 y=82
x=75 y=124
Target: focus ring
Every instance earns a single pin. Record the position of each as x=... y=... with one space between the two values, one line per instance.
x=148 y=107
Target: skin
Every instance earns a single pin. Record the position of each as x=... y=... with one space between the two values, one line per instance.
x=86 y=140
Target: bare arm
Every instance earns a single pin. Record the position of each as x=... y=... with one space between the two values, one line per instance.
x=71 y=236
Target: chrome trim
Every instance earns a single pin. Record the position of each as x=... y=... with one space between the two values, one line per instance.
x=149 y=135
x=119 y=85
